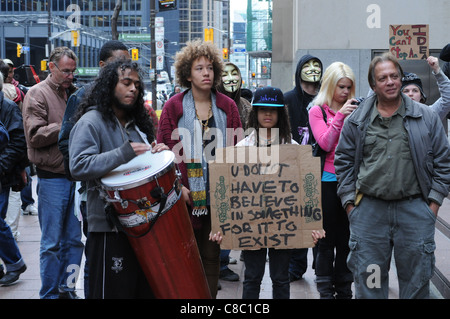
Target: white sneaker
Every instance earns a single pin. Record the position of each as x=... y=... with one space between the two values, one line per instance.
x=30 y=210
x=16 y=235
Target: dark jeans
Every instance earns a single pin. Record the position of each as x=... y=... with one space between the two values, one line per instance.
x=255 y=263
x=209 y=253
x=9 y=251
x=299 y=262
x=332 y=251
x=26 y=194
x=224 y=258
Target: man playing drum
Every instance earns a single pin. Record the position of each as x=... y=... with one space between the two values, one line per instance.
x=112 y=128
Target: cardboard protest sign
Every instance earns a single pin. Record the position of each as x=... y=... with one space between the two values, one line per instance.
x=409 y=42
x=266 y=196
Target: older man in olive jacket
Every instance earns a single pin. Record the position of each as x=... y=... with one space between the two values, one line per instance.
x=393 y=169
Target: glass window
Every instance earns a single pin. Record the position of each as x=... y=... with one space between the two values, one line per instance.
x=196 y=14
x=106 y=5
x=196 y=4
x=183 y=4
x=184 y=37
x=196 y=26
x=184 y=15
x=184 y=26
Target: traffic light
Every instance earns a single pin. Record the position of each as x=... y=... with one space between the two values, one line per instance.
x=43 y=65
x=225 y=53
x=75 y=38
x=209 y=34
x=19 y=50
x=253 y=75
x=135 y=54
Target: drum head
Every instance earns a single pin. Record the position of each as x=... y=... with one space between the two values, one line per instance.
x=140 y=170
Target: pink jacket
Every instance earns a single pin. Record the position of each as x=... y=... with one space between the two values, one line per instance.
x=326 y=134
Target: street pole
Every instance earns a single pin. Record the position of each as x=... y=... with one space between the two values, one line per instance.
x=229 y=29
x=153 y=52
x=49 y=29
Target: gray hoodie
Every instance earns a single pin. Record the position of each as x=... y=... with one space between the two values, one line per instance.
x=96 y=147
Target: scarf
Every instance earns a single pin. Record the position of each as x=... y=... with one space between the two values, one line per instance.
x=196 y=164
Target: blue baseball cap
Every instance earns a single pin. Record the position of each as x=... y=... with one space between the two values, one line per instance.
x=268 y=96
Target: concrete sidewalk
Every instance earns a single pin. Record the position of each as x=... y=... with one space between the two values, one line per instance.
x=27 y=287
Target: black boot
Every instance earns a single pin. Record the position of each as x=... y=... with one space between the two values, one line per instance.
x=343 y=290
x=325 y=287
x=12 y=276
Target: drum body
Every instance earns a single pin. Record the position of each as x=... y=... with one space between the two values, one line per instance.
x=168 y=253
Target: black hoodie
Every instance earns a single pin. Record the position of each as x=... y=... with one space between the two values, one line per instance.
x=445 y=53
x=13 y=157
x=297 y=100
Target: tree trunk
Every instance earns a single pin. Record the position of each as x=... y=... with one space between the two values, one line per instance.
x=115 y=16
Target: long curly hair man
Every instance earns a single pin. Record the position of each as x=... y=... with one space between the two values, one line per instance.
x=101 y=95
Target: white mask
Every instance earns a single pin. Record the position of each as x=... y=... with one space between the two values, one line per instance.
x=231 y=78
x=311 y=71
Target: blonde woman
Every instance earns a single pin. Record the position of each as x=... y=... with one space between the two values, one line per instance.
x=336 y=99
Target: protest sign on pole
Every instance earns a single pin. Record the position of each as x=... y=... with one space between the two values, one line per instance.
x=261 y=202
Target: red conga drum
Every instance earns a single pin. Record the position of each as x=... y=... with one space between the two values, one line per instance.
x=160 y=233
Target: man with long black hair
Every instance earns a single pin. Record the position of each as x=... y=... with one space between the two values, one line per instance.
x=112 y=127
x=109 y=52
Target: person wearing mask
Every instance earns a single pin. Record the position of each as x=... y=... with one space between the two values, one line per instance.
x=231 y=85
x=308 y=75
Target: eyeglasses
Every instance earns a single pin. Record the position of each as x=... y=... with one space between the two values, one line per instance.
x=67 y=73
